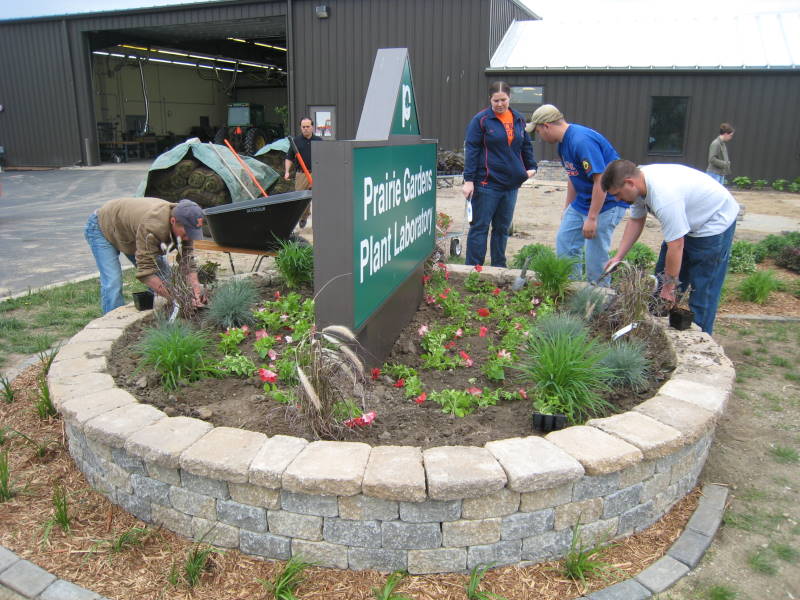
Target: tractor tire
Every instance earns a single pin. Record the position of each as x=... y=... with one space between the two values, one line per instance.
x=254 y=140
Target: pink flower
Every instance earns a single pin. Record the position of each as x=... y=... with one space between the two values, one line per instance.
x=261 y=333
x=376 y=372
x=475 y=391
x=426 y=278
x=478 y=268
x=467 y=360
x=284 y=317
x=288 y=339
x=277 y=295
x=496 y=292
x=369 y=417
x=483 y=331
x=267 y=375
x=278 y=337
x=536 y=301
x=400 y=383
x=421 y=398
x=422 y=330
x=483 y=312
x=459 y=332
x=272 y=354
x=430 y=299
x=522 y=394
x=533 y=313
x=245 y=329
x=504 y=354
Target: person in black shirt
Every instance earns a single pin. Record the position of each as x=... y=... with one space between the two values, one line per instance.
x=303 y=144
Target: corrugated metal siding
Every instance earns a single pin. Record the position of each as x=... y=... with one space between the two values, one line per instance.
x=448 y=46
x=502 y=14
x=38 y=124
x=761 y=106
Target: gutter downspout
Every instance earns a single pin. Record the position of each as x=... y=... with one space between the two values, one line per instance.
x=290 y=65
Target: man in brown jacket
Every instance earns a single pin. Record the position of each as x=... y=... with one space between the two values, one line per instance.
x=144 y=230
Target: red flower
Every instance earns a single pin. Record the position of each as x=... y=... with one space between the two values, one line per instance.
x=267 y=375
x=443 y=296
x=376 y=372
x=261 y=333
x=478 y=268
x=400 y=383
x=426 y=278
x=245 y=329
x=449 y=345
x=364 y=419
x=475 y=391
x=429 y=299
x=496 y=292
x=483 y=312
x=483 y=331
x=277 y=295
x=467 y=360
x=421 y=398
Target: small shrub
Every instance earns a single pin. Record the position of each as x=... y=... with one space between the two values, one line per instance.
x=7 y=392
x=287 y=580
x=758 y=286
x=527 y=250
x=641 y=256
x=772 y=245
x=568 y=374
x=232 y=304
x=587 y=303
x=553 y=272
x=760 y=184
x=793 y=187
x=175 y=351
x=628 y=364
x=295 y=263
x=635 y=290
x=743 y=257
x=779 y=185
x=789 y=258
x=742 y=182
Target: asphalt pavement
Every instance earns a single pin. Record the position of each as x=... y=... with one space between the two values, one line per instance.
x=42 y=217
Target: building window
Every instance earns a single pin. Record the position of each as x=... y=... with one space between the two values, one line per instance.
x=667 y=125
x=324 y=119
x=526 y=98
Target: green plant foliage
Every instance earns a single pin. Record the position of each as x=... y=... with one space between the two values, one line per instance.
x=176 y=352
x=46 y=357
x=232 y=304
x=6 y=488
x=587 y=303
x=230 y=339
x=721 y=592
x=779 y=184
x=295 y=263
x=642 y=256
x=455 y=402
x=44 y=401
x=793 y=187
x=288 y=580
x=742 y=182
x=527 y=250
x=387 y=591
x=582 y=561
x=628 y=364
x=7 y=392
x=773 y=244
x=237 y=364
x=758 y=286
x=130 y=538
x=761 y=562
x=743 y=257
x=760 y=184
x=60 y=514
x=789 y=258
x=567 y=372
x=553 y=273
x=473 y=587
x=560 y=324
x=345 y=409
x=207 y=272
x=784 y=454
x=196 y=563
x=785 y=552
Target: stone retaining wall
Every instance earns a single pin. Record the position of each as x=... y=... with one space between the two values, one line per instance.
x=349 y=505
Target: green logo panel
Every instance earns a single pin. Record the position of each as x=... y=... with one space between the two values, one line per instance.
x=405 y=120
x=394 y=218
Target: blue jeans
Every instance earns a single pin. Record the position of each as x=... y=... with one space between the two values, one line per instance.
x=704 y=266
x=495 y=208
x=107 y=258
x=716 y=177
x=570 y=241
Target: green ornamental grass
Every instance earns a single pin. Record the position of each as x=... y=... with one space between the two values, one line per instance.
x=553 y=272
x=295 y=263
x=196 y=563
x=287 y=581
x=473 y=588
x=758 y=286
x=387 y=591
x=587 y=303
x=176 y=352
x=232 y=304
x=6 y=488
x=628 y=364
x=527 y=250
x=582 y=561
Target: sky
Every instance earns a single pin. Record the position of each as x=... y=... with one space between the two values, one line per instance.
x=547 y=9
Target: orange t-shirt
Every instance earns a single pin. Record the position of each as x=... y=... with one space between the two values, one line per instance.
x=507 y=119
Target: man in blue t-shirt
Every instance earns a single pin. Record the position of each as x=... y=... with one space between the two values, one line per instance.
x=590 y=215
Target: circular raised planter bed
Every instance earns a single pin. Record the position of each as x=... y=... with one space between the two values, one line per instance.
x=352 y=506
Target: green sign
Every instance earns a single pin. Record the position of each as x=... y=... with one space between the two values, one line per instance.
x=405 y=120
x=394 y=219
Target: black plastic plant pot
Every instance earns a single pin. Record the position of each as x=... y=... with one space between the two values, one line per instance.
x=680 y=318
x=545 y=423
x=143 y=300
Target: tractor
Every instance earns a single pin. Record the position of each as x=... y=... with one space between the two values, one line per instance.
x=247 y=131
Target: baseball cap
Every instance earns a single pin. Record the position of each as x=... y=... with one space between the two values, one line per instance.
x=191 y=216
x=546 y=113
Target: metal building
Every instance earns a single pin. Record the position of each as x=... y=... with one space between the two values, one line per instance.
x=659 y=88
x=74 y=85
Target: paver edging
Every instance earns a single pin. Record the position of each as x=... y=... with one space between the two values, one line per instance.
x=194 y=486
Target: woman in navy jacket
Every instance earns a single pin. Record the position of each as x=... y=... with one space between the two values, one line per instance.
x=498 y=159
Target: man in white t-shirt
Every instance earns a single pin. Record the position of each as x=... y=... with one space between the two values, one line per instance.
x=698 y=220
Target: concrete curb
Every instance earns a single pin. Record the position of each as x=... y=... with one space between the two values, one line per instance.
x=24 y=580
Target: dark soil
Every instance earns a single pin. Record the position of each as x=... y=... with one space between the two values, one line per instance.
x=241 y=402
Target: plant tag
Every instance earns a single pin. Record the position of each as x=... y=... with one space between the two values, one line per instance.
x=627 y=329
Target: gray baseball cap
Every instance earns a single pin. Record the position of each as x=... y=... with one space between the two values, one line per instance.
x=190 y=215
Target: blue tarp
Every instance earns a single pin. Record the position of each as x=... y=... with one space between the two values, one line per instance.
x=206 y=153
